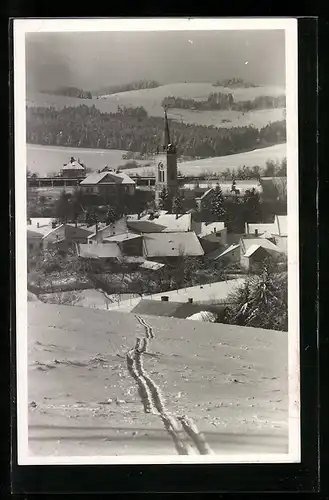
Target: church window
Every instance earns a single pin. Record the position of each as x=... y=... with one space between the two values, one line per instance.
x=161 y=172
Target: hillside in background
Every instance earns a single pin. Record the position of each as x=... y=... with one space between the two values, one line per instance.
x=70 y=92
x=83 y=401
x=216 y=165
x=137 y=85
x=131 y=129
x=46 y=160
x=235 y=83
x=150 y=99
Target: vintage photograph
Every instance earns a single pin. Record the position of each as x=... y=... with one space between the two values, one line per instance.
x=156 y=199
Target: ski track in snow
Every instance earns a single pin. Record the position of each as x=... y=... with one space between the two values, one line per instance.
x=153 y=400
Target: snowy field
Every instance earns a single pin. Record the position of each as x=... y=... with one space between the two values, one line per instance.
x=48 y=159
x=151 y=100
x=231 y=381
x=219 y=164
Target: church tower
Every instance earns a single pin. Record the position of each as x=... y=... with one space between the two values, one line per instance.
x=166 y=167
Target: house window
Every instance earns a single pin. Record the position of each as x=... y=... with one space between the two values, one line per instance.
x=218 y=235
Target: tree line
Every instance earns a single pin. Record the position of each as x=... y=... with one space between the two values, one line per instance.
x=70 y=92
x=222 y=101
x=87 y=127
x=234 y=82
x=272 y=169
x=125 y=87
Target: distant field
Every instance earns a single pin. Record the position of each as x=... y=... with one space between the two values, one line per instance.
x=49 y=159
x=221 y=163
x=151 y=100
x=231 y=380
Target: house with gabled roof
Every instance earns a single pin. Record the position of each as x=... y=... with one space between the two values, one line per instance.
x=231 y=254
x=212 y=235
x=260 y=230
x=74 y=168
x=107 y=184
x=99 y=251
x=171 y=245
x=144 y=226
x=65 y=236
x=171 y=223
x=115 y=228
x=253 y=252
x=277 y=231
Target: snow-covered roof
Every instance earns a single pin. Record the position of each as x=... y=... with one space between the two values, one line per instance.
x=228 y=250
x=249 y=245
x=166 y=244
x=211 y=227
x=106 y=178
x=172 y=223
x=73 y=165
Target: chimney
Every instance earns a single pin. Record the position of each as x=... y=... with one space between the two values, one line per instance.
x=190 y=300
x=38 y=225
x=53 y=224
x=256 y=232
x=164 y=298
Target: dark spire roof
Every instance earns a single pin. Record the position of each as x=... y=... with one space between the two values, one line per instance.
x=166 y=131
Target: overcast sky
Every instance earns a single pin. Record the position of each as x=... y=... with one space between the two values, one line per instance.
x=97 y=59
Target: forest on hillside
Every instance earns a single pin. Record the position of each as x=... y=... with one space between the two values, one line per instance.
x=222 y=101
x=234 y=82
x=125 y=87
x=86 y=127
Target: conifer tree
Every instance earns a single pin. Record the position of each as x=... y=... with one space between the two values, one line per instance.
x=111 y=215
x=217 y=203
x=251 y=200
x=164 y=201
x=177 y=205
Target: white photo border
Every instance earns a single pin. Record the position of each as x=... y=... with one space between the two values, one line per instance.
x=24 y=26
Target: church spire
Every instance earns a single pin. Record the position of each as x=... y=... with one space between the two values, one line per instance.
x=166 y=131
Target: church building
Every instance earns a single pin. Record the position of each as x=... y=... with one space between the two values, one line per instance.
x=166 y=167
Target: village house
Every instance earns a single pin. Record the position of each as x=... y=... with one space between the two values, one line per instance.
x=171 y=223
x=36 y=229
x=99 y=234
x=130 y=244
x=166 y=245
x=277 y=231
x=231 y=255
x=253 y=252
x=73 y=169
x=108 y=184
x=102 y=252
x=65 y=236
x=212 y=235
